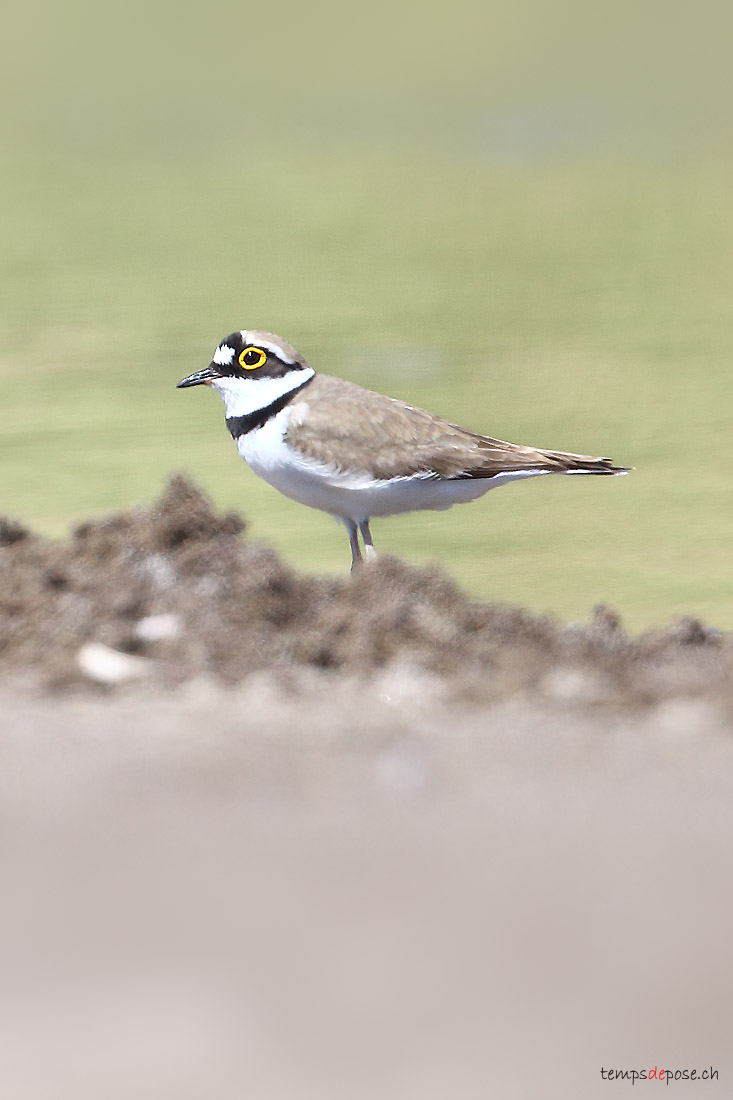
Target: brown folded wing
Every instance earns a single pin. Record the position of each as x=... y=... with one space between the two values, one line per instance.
x=351 y=428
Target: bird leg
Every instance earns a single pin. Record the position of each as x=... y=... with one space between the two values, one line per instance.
x=369 y=551
x=356 y=558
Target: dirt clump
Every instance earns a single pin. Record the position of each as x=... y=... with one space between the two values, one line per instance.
x=177 y=584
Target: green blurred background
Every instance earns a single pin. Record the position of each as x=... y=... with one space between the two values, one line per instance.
x=518 y=215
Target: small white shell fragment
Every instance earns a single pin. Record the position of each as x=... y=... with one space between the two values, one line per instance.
x=110 y=666
x=158 y=628
x=157 y=569
x=573 y=685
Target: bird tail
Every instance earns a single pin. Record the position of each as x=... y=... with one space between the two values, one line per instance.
x=562 y=462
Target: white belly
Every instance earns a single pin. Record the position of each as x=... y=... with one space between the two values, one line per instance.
x=354 y=496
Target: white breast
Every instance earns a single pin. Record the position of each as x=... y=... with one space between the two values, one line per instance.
x=353 y=495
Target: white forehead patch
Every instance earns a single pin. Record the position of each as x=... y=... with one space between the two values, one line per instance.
x=223 y=355
x=251 y=337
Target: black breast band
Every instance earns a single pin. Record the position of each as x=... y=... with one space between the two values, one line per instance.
x=242 y=425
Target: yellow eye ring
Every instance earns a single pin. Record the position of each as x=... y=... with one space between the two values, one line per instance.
x=252 y=358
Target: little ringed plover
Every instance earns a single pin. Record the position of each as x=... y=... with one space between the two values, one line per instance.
x=353 y=453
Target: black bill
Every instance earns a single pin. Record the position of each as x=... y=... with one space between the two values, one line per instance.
x=201 y=377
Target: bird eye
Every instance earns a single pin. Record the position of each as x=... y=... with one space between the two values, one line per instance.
x=252 y=358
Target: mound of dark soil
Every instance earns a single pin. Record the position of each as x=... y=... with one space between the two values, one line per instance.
x=176 y=585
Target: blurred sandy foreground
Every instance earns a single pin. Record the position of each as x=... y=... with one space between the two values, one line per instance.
x=227 y=893
x=346 y=837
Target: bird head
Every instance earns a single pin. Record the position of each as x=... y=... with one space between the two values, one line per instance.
x=249 y=367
